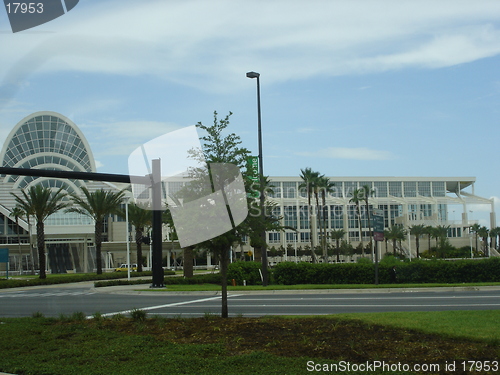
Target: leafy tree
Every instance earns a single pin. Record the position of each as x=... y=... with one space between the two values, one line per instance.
x=417 y=231
x=98 y=205
x=41 y=202
x=219 y=148
x=140 y=218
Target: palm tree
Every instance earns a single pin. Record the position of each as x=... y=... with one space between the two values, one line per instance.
x=16 y=213
x=337 y=235
x=475 y=229
x=494 y=233
x=440 y=232
x=417 y=231
x=395 y=233
x=41 y=202
x=310 y=183
x=98 y=205
x=324 y=186
x=367 y=193
x=483 y=233
x=357 y=198
x=429 y=231
x=139 y=218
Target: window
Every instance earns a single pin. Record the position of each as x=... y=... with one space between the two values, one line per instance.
x=305 y=237
x=275 y=190
x=396 y=211
x=410 y=188
x=337 y=217
x=395 y=188
x=290 y=216
x=304 y=217
x=424 y=188
x=274 y=237
x=349 y=188
x=438 y=189
x=289 y=189
x=352 y=216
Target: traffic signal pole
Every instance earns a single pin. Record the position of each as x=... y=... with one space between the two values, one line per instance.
x=154 y=181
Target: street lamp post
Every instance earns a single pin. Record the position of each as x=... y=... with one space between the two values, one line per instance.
x=261 y=174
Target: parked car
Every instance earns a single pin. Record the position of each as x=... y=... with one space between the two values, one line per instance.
x=124 y=267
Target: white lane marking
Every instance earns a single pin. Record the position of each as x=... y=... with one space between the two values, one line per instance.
x=55 y=294
x=166 y=305
x=362 y=298
x=398 y=305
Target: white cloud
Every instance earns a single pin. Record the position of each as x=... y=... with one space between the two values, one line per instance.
x=359 y=153
x=122 y=137
x=210 y=44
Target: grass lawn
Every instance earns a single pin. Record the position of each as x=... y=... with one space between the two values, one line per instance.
x=270 y=345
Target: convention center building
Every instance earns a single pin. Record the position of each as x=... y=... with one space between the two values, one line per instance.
x=49 y=140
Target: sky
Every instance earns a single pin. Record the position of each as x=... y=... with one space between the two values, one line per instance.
x=348 y=88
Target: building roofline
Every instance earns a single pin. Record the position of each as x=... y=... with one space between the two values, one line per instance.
x=75 y=127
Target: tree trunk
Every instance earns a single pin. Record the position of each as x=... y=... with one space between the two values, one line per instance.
x=40 y=239
x=20 y=252
x=338 y=250
x=360 y=228
x=98 y=243
x=369 y=225
x=223 y=275
x=188 y=261
x=417 y=242
x=138 y=243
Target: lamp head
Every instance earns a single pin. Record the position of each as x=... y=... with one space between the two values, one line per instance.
x=253 y=75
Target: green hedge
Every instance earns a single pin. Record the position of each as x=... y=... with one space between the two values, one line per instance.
x=248 y=271
x=418 y=271
x=213 y=278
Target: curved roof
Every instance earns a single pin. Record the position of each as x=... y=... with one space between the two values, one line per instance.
x=46 y=140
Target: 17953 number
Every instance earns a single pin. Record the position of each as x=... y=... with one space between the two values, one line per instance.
x=24 y=7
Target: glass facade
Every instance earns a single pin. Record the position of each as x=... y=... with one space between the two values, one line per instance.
x=395 y=188
x=47 y=141
x=289 y=190
x=47 y=135
x=290 y=216
x=380 y=189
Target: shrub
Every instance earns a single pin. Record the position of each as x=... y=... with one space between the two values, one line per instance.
x=417 y=271
x=248 y=271
x=138 y=315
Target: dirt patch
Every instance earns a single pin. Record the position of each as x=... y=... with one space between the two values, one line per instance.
x=326 y=338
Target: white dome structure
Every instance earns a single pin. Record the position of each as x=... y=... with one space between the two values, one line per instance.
x=46 y=140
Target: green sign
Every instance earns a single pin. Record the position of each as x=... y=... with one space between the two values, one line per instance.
x=4 y=255
x=253 y=168
x=253 y=175
x=378 y=224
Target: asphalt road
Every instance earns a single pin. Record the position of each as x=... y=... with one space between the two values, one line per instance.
x=57 y=300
